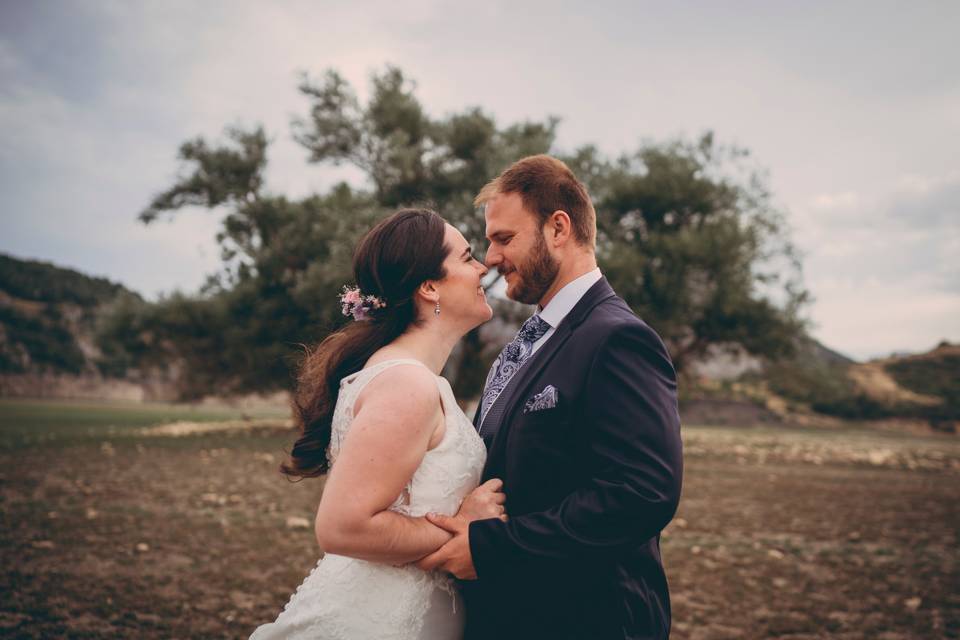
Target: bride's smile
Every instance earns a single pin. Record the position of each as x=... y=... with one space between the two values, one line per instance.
x=463 y=302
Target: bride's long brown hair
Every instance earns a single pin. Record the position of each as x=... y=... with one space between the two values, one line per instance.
x=391 y=261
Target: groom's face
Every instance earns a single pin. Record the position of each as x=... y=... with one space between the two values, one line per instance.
x=518 y=249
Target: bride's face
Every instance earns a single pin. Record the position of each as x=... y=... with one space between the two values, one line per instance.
x=462 y=298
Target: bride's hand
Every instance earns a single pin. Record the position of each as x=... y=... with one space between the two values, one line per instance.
x=486 y=501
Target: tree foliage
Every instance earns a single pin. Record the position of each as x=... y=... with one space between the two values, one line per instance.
x=221 y=175
x=689 y=238
x=685 y=236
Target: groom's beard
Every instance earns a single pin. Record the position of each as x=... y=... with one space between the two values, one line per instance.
x=535 y=275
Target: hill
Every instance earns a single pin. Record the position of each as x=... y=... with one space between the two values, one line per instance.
x=48 y=317
x=49 y=346
x=917 y=387
x=933 y=378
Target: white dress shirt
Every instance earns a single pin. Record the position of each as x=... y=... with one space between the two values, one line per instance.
x=565 y=300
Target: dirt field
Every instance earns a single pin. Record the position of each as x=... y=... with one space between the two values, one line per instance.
x=109 y=532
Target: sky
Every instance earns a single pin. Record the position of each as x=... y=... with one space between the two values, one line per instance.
x=853 y=109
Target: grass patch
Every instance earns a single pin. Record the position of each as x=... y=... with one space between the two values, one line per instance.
x=44 y=422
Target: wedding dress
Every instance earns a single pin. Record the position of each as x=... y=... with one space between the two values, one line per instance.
x=350 y=599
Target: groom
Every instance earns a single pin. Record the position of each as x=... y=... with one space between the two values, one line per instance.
x=579 y=416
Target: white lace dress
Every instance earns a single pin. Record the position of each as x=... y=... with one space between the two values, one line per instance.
x=349 y=599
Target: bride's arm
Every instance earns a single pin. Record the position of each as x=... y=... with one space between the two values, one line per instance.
x=395 y=417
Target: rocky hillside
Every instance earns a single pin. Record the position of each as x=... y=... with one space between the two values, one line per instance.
x=48 y=315
x=924 y=384
x=823 y=387
x=49 y=347
x=48 y=323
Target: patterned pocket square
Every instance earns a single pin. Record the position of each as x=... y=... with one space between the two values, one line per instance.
x=546 y=399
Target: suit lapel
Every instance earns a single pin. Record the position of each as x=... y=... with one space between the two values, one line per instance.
x=516 y=390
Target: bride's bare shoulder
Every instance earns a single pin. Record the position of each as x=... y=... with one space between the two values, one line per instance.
x=401 y=389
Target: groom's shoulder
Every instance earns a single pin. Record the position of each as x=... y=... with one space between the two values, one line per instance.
x=613 y=318
x=614 y=314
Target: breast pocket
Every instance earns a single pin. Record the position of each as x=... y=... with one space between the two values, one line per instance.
x=542 y=433
x=542 y=458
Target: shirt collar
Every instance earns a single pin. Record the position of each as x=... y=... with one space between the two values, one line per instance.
x=567 y=298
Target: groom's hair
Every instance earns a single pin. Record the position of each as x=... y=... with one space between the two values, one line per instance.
x=545 y=185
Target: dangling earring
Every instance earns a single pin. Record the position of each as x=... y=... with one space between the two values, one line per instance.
x=436 y=310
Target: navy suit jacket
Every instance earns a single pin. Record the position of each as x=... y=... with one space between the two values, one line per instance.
x=590 y=484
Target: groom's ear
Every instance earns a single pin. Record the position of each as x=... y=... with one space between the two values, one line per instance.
x=558 y=228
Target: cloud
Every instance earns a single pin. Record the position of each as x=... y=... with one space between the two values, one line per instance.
x=927 y=201
x=95 y=98
x=845 y=201
x=874 y=317
x=77 y=166
x=883 y=267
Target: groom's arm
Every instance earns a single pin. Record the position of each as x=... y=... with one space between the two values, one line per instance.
x=633 y=456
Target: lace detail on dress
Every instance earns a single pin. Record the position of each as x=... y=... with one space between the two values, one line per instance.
x=346 y=598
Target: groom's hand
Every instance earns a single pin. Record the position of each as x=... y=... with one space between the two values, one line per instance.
x=453 y=557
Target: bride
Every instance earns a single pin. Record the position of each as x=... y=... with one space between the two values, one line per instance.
x=376 y=416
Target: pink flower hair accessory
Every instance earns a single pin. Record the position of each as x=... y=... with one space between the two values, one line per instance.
x=354 y=303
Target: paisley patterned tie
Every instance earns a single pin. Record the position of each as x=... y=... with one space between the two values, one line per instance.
x=510 y=360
